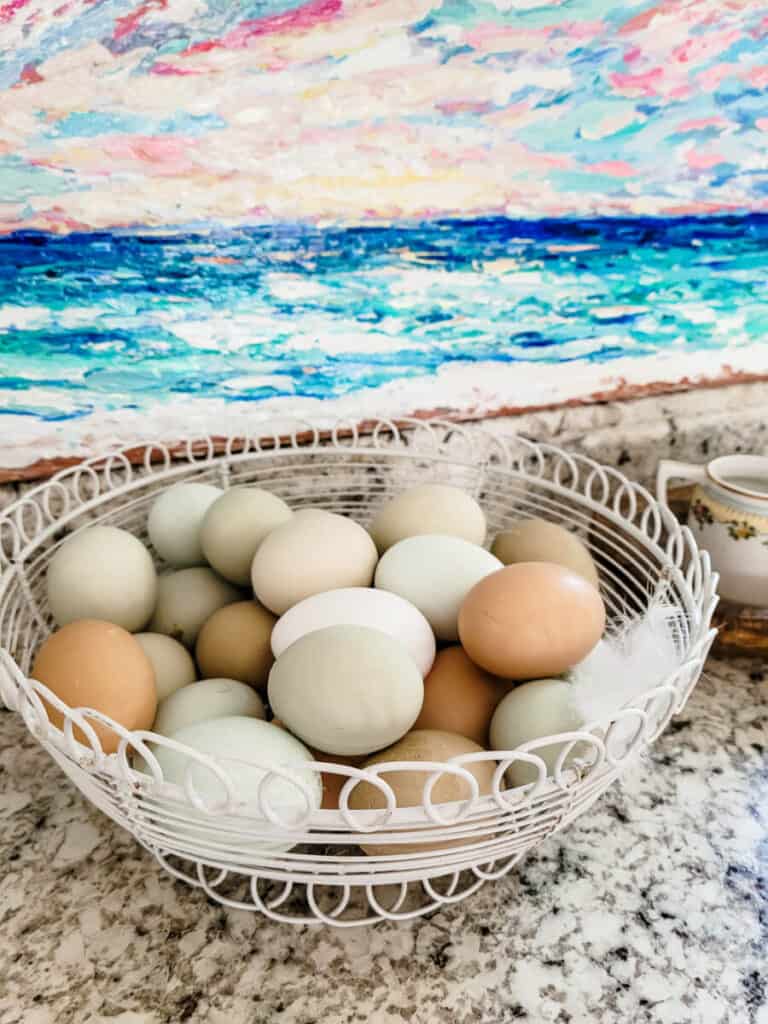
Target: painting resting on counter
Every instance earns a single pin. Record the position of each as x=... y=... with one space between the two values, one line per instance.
x=212 y=212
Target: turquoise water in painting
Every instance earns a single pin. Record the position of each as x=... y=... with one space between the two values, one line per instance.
x=122 y=321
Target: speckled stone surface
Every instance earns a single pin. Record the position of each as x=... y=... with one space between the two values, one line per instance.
x=653 y=908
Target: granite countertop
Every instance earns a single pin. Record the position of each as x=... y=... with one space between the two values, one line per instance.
x=653 y=907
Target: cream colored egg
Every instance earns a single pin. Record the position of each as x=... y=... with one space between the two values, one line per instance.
x=408 y=786
x=359 y=606
x=102 y=573
x=435 y=573
x=536 y=540
x=235 y=643
x=175 y=521
x=171 y=661
x=533 y=711
x=186 y=599
x=313 y=552
x=210 y=698
x=429 y=508
x=245 y=749
x=234 y=526
x=346 y=689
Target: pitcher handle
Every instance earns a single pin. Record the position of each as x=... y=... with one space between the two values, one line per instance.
x=669 y=469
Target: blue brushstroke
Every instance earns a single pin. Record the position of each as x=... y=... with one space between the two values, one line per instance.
x=120 y=320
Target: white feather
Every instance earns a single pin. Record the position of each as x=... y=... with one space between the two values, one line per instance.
x=640 y=655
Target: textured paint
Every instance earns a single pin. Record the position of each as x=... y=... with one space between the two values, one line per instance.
x=382 y=205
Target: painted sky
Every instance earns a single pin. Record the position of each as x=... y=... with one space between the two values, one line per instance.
x=182 y=112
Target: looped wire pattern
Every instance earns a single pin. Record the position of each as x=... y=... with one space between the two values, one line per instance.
x=303 y=864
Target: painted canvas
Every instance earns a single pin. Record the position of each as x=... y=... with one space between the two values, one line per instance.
x=217 y=209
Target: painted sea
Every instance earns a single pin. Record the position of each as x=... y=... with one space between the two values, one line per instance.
x=108 y=322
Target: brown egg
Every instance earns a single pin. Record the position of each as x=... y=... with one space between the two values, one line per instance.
x=531 y=620
x=459 y=697
x=96 y=664
x=408 y=786
x=536 y=540
x=234 y=644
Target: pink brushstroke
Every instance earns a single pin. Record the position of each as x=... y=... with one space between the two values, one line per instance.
x=762 y=124
x=704 y=47
x=697 y=124
x=161 y=68
x=10 y=9
x=614 y=168
x=298 y=20
x=128 y=24
x=644 y=84
x=758 y=77
x=713 y=77
x=699 y=161
x=492 y=36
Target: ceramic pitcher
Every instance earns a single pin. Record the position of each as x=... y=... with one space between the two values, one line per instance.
x=729 y=517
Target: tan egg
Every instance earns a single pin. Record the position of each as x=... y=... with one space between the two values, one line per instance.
x=313 y=552
x=96 y=664
x=536 y=540
x=459 y=697
x=531 y=620
x=408 y=786
x=235 y=643
x=429 y=508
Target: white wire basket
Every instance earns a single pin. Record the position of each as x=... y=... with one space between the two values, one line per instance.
x=308 y=868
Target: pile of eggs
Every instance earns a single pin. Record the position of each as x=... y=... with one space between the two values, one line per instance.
x=275 y=637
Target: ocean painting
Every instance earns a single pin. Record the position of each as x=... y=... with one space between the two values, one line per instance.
x=214 y=213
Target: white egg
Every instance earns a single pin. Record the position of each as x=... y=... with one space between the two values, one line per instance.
x=359 y=606
x=235 y=525
x=543 y=707
x=246 y=750
x=346 y=689
x=104 y=573
x=429 y=508
x=175 y=521
x=435 y=573
x=171 y=661
x=186 y=599
x=313 y=552
x=210 y=698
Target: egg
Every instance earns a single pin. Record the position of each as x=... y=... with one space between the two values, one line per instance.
x=435 y=573
x=333 y=782
x=408 y=786
x=93 y=664
x=175 y=521
x=346 y=689
x=104 y=573
x=533 y=711
x=234 y=526
x=246 y=748
x=188 y=598
x=428 y=508
x=459 y=697
x=358 y=606
x=536 y=540
x=171 y=661
x=210 y=698
x=313 y=552
x=235 y=643
x=531 y=620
